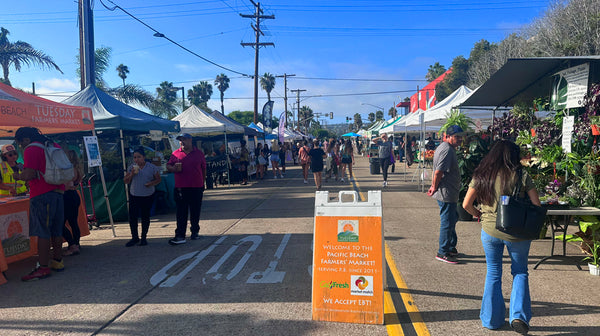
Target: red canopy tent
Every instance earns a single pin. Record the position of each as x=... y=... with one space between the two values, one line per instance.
x=18 y=108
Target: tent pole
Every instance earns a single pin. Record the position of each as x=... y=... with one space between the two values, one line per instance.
x=110 y=217
x=124 y=165
x=228 y=162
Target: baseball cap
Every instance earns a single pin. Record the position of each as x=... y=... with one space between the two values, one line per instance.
x=183 y=136
x=8 y=148
x=454 y=130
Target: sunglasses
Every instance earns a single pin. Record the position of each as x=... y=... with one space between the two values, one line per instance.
x=11 y=154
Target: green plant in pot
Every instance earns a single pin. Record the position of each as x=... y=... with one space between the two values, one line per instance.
x=594 y=256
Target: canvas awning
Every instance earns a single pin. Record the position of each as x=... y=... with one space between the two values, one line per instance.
x=18 y=108
x=112 y=114
x=197 y=122
x=524 y=79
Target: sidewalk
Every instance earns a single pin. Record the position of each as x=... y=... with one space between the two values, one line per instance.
x=217 y=287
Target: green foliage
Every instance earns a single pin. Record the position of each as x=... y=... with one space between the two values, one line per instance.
x=457 y=77
x=358 y=123
x=200 y=93
x=457 y=118
x=102 y=57
x=469 y=155
x=378 y=115
x=19 y=53
x=267 y=83
x=435 y=71
x=243 y=117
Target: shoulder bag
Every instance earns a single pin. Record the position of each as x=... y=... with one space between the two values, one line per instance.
x=517 y=216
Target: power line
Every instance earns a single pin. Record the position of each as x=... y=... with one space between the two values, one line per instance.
x=363 y=79
x=159 y=34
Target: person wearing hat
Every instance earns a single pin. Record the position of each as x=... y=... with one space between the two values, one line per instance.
x=189 y=166
x=444 y=188
x=9 y=166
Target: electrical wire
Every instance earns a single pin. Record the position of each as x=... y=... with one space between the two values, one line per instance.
x=159 y=34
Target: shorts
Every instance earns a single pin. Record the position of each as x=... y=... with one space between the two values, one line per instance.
x=46 y=215
x=346 y=159
x=274 y=158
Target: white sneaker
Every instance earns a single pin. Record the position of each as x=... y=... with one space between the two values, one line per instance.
x=305 y=181
x=385 y=183
x=342 y=179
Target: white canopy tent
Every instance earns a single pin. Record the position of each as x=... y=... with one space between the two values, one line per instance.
x=437 y=115
x=197 y=122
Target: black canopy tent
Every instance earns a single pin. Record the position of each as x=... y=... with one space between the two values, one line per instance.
x=524 y=79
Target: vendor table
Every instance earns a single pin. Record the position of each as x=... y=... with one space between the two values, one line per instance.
x=555 y=226
x=15 y=242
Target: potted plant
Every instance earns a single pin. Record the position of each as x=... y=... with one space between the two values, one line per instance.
x=594 y=257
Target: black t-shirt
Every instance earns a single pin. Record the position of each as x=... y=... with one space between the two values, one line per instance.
x=316 y=159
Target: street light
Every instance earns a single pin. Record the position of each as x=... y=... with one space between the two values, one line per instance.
x=379 y=107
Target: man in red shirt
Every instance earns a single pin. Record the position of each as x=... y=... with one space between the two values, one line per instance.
x=189 y=166
x=46 y=209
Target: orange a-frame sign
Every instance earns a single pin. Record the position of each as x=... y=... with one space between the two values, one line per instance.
x=348 y=262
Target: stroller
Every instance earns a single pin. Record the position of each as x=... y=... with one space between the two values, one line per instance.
x=91 y=218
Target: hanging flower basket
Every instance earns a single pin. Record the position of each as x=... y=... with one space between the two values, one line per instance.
x=595 y=129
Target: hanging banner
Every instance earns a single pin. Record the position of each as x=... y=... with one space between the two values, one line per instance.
x=267 y=113
x=348 y=260
x=569 y=87
x=93 y=151
x=281 y=129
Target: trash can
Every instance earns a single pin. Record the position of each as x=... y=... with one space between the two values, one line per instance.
x=374 y=166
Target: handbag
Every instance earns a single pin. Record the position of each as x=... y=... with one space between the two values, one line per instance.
x=518 y=217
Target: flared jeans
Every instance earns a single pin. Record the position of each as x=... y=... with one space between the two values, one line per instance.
x=493 y=310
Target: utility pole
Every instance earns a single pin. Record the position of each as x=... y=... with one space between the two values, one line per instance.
x=86 y=44
x=285 y=76
x=258 y=16
x=182 y=98
x=298 y=104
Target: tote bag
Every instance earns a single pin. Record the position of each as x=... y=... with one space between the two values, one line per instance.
x=518 y=217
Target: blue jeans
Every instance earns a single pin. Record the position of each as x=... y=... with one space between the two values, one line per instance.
x=448 y=219
x=492 y=304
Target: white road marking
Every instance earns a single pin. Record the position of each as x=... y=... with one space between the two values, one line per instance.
x=270 y=275
x=172 y=280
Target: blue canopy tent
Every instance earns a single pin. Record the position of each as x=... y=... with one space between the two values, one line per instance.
x=351 y=134
x=112 y=114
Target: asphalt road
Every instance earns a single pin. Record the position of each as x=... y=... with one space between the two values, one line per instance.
x=250 y=274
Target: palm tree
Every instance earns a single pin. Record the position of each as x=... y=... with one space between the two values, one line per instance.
x=305 y=117
x=101 y=63
x=222 y=83
x=371 y=117
x=166 y=96
x=358 y=124
x=123 y=70
x=435 y=71
x=379 y=115
x=200 y=93
x=20 y=53
x=392 y=112
x=267 y=83
x=131 y=93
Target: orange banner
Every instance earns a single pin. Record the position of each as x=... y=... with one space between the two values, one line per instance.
x=348 y=269
x=14 y=231
x=18 y=108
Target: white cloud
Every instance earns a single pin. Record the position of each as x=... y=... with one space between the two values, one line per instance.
x=57 y=84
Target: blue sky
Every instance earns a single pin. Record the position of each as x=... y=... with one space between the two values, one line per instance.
x=332 y=47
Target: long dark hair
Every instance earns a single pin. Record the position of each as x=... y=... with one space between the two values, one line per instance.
x=348 y=147
x=502 y=161
x=31 y=133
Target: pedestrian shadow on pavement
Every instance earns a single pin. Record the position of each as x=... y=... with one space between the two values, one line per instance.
x=539 y=308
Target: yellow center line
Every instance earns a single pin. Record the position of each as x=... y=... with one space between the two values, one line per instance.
x=394 y=328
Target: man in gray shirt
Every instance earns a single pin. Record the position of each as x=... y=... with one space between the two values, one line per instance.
x=385 y=154
x=444 y=188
